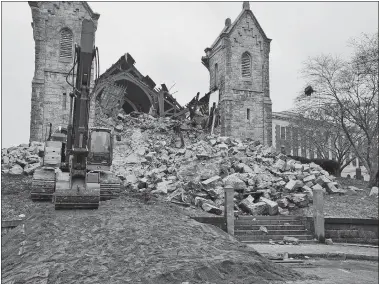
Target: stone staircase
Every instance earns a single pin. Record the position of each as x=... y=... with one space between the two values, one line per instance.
x=246 y=229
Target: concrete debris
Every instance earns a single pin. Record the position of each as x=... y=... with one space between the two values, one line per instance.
x=263 y=229
x=150 y=156
x=328 y=241
x=291 y=240
x=374 y=191
x=22 y=159
x=206 y=164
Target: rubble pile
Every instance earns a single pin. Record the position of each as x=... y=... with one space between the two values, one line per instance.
x=23 y=159
x=149 y=158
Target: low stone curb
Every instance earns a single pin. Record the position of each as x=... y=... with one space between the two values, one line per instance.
x=341 y=256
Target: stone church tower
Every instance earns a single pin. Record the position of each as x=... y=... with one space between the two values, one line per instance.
x=56 y=28
x=238 y=63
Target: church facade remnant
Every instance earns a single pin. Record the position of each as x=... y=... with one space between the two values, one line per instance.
x=56 y=29
x=238 y=63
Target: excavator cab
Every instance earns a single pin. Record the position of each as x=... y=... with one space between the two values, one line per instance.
x=100 y=149
x=100 y=141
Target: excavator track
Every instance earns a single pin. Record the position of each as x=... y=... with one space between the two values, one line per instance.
x=77 y=195
x=110 y=187
x=43 y=184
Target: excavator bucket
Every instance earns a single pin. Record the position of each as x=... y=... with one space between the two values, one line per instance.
x=80 y=194
x=43 y=184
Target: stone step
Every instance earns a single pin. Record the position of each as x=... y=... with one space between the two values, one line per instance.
x=277 y=217
x=270 y=232
x=266 y=241
x=266 y=222
x=270 y=227
x=272 y=237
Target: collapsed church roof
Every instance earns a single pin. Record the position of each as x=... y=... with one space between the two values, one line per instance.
x=123 y=86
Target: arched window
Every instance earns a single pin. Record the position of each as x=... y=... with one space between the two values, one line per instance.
x=216 y=75
x=65 y=44
x=246 y=65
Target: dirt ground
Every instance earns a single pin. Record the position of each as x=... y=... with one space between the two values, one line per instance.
x=124 y=241
x=338 y=272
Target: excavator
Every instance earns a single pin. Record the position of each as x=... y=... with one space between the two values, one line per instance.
x=43 y=184
x=81 y=177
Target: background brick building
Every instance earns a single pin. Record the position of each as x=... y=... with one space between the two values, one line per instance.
x=238 y=63
x=292 y=140
x=56 y=28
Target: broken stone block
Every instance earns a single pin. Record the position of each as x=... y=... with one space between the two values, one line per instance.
x=306 y=167
x=212 y=142
x=119 y=127
x=199 y=201
x=131 y=178
x=216 y=193
x=328 y=241
x=299 y=199
x=323 y=180
x=181 y=151
x=22 y=163
x=374 y=191
x=283 y=211
x=223 y=146
x=309 y=178
x=272 y=206
x=162 y=187
x=283 y=202
x=248 y=206
x=309 y=192
x=211 y=180
x=16 y=170
x=223 y=139
x=298 y=167
x=263 y=229
x=317 y=186
x=291 y=240
x=243 y=168
x=280 y=165
x=290 y=164
x=132 y=159
x=30 y=168
x=292 y=185
x=234 y=181
x=5 y=160
x=331 y=189
x=211 y=209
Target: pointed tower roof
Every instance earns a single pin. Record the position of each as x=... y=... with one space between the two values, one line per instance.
x=229 y=27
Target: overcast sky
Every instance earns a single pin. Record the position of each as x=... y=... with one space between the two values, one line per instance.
x=167 y=41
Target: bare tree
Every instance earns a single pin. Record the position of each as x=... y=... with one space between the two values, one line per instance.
x=325 y=137
x=347 y=96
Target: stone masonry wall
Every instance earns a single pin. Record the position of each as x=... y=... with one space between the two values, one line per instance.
x=49 y=81
x=238 y=94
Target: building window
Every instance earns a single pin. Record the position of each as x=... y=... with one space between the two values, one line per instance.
x=311 y=154
x=282 y=132
x=248 y=114
x=246 y=65
x=216 y=75
x=64 y=102
x=65 y=44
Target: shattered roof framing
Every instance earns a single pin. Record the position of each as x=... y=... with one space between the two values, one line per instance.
x=140 y=91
